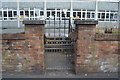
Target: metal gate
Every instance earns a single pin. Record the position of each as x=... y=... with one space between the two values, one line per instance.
x=58 y=45
x=58 y=27
x=58 y=61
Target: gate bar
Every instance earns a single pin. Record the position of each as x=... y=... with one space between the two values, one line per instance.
x=49 y=26
x=54 y=26
x=59 y=26
x=64 y=25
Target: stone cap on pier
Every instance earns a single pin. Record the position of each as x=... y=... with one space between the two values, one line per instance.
x=34 y=22
x=86 y=22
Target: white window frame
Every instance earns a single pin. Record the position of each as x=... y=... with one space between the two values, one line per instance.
x=83 y=18
x=15 y=17
x=113 y=18
x=75 y=13
x=89 y=15
x=80 y=13
x=107 y=19
x=23 y=14
x=5 y=18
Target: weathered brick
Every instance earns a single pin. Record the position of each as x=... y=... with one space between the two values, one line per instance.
x=91 y=54
x=26 y=48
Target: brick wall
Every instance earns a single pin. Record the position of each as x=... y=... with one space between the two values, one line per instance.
x=24 y=52
x=13 y=46
x=107 y=54
x=93 y=54
x=34 y=48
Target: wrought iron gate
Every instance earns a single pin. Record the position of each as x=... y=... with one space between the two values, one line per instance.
x=58 y=28
x=58 y=45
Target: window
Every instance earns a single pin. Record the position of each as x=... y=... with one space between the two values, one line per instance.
x=99 y=15
x=0 y=15
x=115 y=16
x=15 y=13
x=68 y=14
x=93 y=15
x=74 y=14
x=27 y=13
x=111 y=16
x=63 y=15
x=48 y=13
x=88 y=14
x=5 y=13
x=41 y=13
x=37 y=13
x=58 y=14
x=9 y=13
x=103 y=16
x=79 y=14
x=21 y=13
x=53 y=13
x=107 y=16
x=31 y=13
x=83 y=15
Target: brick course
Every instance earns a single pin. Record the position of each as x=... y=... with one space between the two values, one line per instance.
x=92 y=53
x=24 y=52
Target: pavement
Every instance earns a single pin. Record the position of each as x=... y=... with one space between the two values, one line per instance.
x=58 y=74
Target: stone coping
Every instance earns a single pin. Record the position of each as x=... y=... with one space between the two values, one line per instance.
x=13 y=36
x=34 y=22
x=107 y=37
x=86 y=22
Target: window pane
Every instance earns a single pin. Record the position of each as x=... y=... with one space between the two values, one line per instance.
x=37 y=13
x=68 y=14
x=79 y=14
x=0 y=13
x=63 y=15
x=93 y=15
x=111 y=16
x=88 y=14
x=107 y=15
x=48 y=13
x=9 y=13
x=21 y=13
x=53 y=13
x=27 y=13
x=98 y=15
x=15 y=13
x=31 y=13
x=41 y=13
x=58 y=14
x=115 y=16
x=5 y=13
x=74 y=14
x=83 y=14
x=103 y=15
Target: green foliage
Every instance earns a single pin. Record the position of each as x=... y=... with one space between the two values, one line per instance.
x=116 y=32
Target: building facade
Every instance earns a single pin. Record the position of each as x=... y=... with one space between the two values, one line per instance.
x=13 y=12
